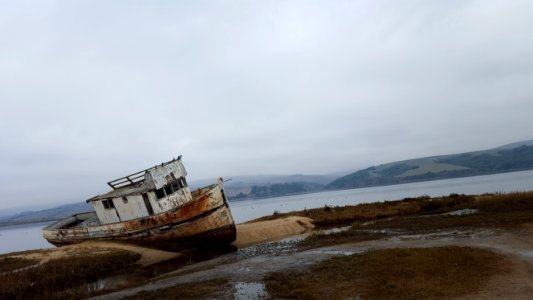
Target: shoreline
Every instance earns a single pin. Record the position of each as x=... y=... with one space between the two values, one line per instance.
x=290 y=245
x=260 y=200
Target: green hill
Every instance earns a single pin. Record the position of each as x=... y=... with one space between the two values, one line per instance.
x=512 y=157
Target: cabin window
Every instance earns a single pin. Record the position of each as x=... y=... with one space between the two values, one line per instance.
x=171 y=188
x=108 y=204
x=175 y=186
x=168 y=189
x=181 y=182
x=160 y=193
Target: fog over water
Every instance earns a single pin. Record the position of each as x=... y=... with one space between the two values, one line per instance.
x=95 y=90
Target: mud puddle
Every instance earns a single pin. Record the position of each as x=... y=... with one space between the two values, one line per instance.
x=446 y=235
x=461 y=212
x=249 y=291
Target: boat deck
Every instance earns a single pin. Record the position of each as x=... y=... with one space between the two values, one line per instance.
x=89 y=222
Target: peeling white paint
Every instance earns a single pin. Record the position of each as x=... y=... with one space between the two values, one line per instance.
x=129 y=206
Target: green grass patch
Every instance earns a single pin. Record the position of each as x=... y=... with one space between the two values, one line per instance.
x=419 y=273
x=431 y=167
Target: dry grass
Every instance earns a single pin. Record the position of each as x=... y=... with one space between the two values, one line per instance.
x=417 y=215
x=210 y=289
x=8 y=263
x=350 y=236
x=330 y=216
x=419 y=273
x=69 y=277
x=416 y=225
x=500 y=211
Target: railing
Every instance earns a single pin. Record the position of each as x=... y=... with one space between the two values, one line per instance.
x=135 y=177
x=128 y=180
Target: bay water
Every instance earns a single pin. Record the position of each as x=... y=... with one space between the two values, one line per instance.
x=27 y=237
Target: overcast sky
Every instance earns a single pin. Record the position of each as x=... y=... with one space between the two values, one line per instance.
x=93 y=90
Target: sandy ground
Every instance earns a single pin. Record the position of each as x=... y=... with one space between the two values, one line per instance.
x=266 y=231
x=148 y=256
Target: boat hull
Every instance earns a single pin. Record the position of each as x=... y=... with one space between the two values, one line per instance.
x=206 y=220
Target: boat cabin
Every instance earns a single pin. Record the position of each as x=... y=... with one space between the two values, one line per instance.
x=152 y=191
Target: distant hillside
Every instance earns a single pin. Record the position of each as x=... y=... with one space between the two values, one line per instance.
x=512 y=157
x=241 y=186
x=44 y=215
x=279 y=189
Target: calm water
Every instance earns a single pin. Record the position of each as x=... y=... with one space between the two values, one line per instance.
x=25 y=237
x=508 y=182
x=22 y=237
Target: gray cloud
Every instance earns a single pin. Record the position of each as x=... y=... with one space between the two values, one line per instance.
x=93 y=90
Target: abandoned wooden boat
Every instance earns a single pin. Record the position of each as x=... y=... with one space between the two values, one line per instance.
x=153 y=207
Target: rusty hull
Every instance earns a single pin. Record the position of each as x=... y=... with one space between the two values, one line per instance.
x=205 y=219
